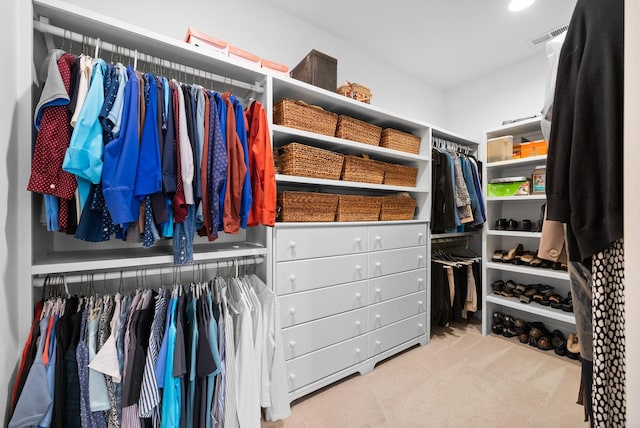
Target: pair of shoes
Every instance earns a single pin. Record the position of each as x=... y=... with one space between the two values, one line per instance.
x=540 y=337
x=559 y=343
x=511 y=254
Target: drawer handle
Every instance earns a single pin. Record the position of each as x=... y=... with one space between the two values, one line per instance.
x=378 y=238
x=378 y=343
x=358 y=240
x=420 y=235
x=420 y=257
x=292 y=278
x=378 y=316
x=292 y=244
x=378 y=291
x=358 y=267
x=420 y=302
x=420 y=325
x=420 y=279
x=292 y=344
x=378 y=264
x=292 y=311
x=358 y=295
x=292 y=376
x=357 y=350
x=358 y=323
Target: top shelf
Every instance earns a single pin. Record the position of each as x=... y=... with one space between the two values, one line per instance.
x=527 y=126
x=531 y=160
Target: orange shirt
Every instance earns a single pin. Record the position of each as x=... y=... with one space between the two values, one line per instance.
x=263 y=177
x=236 y=171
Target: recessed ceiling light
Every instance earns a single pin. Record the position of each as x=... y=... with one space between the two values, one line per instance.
x=518 y=5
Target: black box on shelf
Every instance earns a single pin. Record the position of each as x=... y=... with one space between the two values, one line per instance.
x=318 y=69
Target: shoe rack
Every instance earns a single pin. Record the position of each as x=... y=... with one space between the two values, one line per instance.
x=506 y=230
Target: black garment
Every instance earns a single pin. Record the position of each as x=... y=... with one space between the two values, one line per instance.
x=443 y=204
x=440 y=296
x=205 y=364
x=140 y=333
x=585 y=160
x=71 y=416
x=169 y=171
x=460 y=280
x=63 y=334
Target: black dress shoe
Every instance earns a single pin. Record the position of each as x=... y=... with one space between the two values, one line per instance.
x=525 y=225
x=501 y=224
x=512 y=225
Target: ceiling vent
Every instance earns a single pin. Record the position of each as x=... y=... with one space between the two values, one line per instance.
x=545 y=37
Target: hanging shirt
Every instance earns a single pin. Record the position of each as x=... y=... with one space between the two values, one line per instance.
x=117 y=111
x=85 y=70
x=52 y=120
x=84 y=155
x=172 y=388
x=186 y=153
x=222 y=116
x=121 y=160
x=241 y=131
x=262 y=173
x=149 y=172
x=236 y=172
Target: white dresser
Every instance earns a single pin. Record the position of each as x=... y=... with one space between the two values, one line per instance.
x=350 y=295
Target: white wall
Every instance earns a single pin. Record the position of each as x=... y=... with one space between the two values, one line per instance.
x=514 y=92
x=268 y=32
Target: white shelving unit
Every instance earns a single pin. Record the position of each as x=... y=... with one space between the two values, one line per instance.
x=351 y=293
x=518 y=208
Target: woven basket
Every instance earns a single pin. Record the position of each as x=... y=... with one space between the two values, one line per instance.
x=398 y=140
x=306 y=206
x=397 y=208
x=362 y=169
x=300 y=115
x=357 y=130
x=358 y=208
x=307 y=161
x=399 y=175
x=355 y=91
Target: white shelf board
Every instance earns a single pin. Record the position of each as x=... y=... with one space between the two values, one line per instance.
x=522 y=127
x=516 y=198
x=81 y=261
x=531 y=160
x=456 y=138
x=342 y=145
x=288 y=225
x=533 y=308
x=453 y=235
x=547 y=273
x=286 y=87
x=518 y=234
x=292 y=179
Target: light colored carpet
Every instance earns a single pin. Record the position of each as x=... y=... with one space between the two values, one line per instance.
x=461 y=379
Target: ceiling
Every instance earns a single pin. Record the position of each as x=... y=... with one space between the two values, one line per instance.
x=443 y=42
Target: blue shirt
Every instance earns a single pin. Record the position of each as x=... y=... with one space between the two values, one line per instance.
x=121 y=160
x=84 y=155
x=222 y=116
x=149 y=173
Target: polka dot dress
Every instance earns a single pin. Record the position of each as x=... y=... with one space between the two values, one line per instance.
x=609 y=399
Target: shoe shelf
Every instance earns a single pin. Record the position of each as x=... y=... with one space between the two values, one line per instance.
x=517 y=208
x=533 y=308
x=514 y=233
x=540 y=272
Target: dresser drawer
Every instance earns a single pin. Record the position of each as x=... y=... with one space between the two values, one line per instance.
x=308 y=242
x=386 y=313
x=396 y=285
x=394 y=261
x=387 y=237
x=316 y=365
x=393 y=335
x=298 y=308
x=301 y=275
x=304 y=338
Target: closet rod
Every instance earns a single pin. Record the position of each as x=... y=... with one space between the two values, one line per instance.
x=46 y=28
x=141 y=272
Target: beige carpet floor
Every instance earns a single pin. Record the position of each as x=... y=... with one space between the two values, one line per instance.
x=461 y=379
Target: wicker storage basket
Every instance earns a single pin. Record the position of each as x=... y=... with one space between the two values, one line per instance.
x=398 y=140
x=307 y=161
x=300 y=115
x=399 y=175
x=358 y=208
x=397 y=208
x=362 y=169
x=355 y=91
x=306 y=206
x=357 y=130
